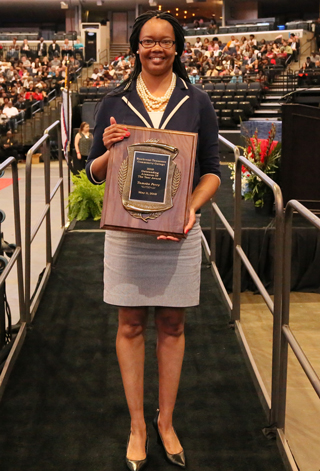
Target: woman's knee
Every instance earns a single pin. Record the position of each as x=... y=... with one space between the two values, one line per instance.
x=132 y=322
x=170 y=322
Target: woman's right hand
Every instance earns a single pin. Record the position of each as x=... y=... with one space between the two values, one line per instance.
x=114 y=133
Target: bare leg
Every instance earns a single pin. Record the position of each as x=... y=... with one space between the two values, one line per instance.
x=170 y=351
x=130 y=351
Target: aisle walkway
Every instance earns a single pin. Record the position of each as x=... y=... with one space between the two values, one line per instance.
x=64 y=408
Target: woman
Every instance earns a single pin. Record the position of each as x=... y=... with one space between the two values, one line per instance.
x=161 y=272
x=82 y=145
x=25 y=49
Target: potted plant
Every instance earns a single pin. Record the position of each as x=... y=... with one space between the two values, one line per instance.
x=85 y=200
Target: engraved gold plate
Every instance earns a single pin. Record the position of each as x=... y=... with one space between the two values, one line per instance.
x=148 y=179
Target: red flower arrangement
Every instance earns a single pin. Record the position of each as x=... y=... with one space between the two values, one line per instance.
x=265 y=154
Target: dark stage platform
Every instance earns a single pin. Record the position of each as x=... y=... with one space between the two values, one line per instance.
x=258 y=244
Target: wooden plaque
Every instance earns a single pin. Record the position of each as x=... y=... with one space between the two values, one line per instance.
x=149 y=182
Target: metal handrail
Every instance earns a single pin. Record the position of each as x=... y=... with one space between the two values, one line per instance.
x=287 y=337
x=275 y=306
x=30 y=232
x=106 y=53
x=239 y=257
x=52 y=93
x=15 y=258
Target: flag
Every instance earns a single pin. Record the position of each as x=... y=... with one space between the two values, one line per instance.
x=65 y=132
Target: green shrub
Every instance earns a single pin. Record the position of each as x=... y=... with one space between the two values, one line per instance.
x=85 y=200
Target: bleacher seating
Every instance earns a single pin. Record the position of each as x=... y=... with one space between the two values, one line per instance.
x=233 y=102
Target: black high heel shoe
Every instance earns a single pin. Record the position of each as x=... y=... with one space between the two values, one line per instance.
x=176 y=458
x=136 y=465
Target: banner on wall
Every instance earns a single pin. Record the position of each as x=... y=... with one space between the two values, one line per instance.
x=66 y=124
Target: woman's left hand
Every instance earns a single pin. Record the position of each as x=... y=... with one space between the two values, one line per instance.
x=189 y=226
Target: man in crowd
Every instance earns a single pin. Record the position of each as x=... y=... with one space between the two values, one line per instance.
x=9 y=148
x=41 y=49
x=9 y=110
x=53 y=50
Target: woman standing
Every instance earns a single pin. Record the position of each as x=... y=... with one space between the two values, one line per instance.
x=144 y=270
x=82 y=145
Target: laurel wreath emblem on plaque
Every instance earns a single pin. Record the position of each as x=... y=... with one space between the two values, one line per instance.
x=142 y=209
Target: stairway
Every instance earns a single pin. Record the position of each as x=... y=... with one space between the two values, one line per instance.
x=270 y=105
x=117 y=50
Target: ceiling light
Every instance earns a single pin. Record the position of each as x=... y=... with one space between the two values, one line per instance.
x=64 y=5
x=99 y=3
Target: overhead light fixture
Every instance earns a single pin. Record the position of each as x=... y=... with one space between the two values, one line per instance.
x=64 y=5
x=99 y=3
x=153 y=3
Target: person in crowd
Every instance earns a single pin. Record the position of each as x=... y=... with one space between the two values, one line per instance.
x=13 y=51
x=56 y=62
x=252 y=40
x=213 y=27
x=82 y=145
x=78 y=49
x=53 y=50
x=25 y=61
x=9 y=147
x=21 y=103
x=157 y=40
x=237 y=77
x=294 y=42
x=41 y=49
x=38 y=95
x=198 y=43
x=309 y=64
x=67 y=49
x=26 y=50
x=9 y=110
x=95 y=74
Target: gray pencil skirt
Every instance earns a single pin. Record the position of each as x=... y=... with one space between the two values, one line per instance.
x=140 y=270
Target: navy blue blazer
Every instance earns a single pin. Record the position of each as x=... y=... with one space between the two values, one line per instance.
x=189 y=110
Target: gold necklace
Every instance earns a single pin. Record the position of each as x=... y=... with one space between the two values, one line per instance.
x=151 y=102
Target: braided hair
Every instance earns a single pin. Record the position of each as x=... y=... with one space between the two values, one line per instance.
x=178 y=67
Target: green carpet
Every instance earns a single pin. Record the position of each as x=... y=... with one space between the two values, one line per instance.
x=64 y=407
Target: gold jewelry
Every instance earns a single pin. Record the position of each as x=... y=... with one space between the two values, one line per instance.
x=151 y=102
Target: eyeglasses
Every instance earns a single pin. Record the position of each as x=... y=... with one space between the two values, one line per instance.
x=149 y=43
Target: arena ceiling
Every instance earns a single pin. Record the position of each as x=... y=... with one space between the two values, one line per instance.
x=50 y=11
x=106 y=4
x=46 y=11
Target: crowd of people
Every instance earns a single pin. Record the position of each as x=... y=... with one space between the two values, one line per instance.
x=240 y=58
x=27 y=75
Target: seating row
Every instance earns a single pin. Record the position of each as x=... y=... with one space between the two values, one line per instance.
x=253 y=100
x=245 y=87
x=234 y=105
x=231 y=122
